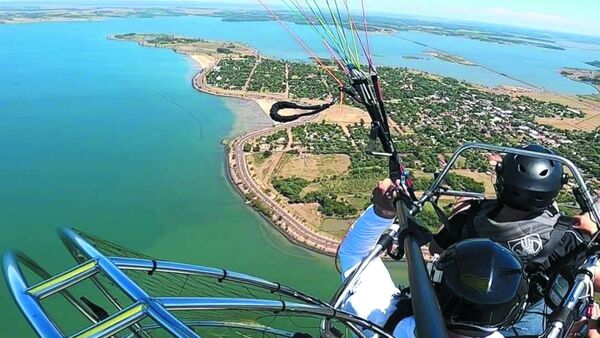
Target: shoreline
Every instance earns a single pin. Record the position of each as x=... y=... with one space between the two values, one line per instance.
x=240 y=176
x=238 y=173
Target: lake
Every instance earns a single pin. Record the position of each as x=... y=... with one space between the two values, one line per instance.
x=111 y=138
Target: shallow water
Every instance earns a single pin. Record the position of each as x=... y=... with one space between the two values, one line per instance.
x=112 y=139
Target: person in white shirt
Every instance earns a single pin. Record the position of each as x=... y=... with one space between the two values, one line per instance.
x=472 y=273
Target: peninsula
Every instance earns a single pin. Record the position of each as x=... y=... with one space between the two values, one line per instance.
x=311 y=178
x=589 y=76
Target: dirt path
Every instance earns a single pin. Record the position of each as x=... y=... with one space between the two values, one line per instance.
x=258 y=60
x=287 y=80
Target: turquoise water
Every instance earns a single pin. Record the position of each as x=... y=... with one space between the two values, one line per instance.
x=102 y=136
x=110 y=138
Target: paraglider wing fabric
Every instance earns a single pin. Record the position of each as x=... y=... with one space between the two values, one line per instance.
x=281 y=105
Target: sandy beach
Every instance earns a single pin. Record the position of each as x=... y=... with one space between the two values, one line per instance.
x=205 y=61
x=250 y=114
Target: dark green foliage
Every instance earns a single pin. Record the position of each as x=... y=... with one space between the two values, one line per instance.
x=269 y=76
x=454 y=181
x=231 y=73
x=428 y=218
x=322 y=138
x=463 y=183
x=261 y=207
x=279 y=136
x=223 y=50
x=308 y=81
x=291 y=188
x=422 y=183
x=330 y=205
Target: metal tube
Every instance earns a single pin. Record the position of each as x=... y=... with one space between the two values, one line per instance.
x=427 y=312
x=223 y=324
x=348 y=284
x=64 y=280
x=115 y=323
x=41 y=272
x=76 y=244
x=454 y=193
x=204 y=304
x=351 y=280
x=580 y=286
x=29 y=305
x=203 y=271
x=595 y=211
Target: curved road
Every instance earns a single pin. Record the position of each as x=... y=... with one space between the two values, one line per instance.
x=243 y=172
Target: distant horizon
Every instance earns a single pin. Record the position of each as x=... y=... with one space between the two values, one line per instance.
x=253 y=4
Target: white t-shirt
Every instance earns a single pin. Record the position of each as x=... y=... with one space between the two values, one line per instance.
x=373 y=296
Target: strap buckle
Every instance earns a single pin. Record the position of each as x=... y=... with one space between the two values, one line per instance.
x=376 y=128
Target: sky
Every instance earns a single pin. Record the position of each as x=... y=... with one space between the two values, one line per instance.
x=573 y=16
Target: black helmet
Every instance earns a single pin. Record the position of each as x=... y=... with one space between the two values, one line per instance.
x=528 y=183
x=481 y=287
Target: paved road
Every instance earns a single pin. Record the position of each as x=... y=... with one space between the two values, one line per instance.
x=243 y=171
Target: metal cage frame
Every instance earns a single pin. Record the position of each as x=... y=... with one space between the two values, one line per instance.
x=91 y=262
x=435 y=190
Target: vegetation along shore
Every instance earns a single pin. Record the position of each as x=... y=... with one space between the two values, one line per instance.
x=311 y=178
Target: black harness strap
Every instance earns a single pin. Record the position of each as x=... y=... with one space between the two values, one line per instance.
x=470 y=225
x=281 y=105
x=154 y=266
x=541 y=260
x=403 y=309
x=277 y=289
x=440 y=214
x=220 y=280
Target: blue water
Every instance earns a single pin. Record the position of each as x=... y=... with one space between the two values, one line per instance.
x=104 y=136
x=537 y=66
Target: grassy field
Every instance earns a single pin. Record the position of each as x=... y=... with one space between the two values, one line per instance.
x=310 y=166
x=589 y=104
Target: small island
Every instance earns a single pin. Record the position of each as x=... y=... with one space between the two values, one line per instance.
x=188 y=46
x=450 y=58
x=594 y=63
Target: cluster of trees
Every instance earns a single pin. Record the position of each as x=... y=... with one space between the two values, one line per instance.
x=323 y=138
x=271 y=138
x=231 y=73
x=291 y=188
x=329 y=203
x=585 y=151
x=454 y=181
x=438 y=114
x=259 y=206
x=164 y=39
x=307 y=81
x=269 y=76
x=224 y=50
